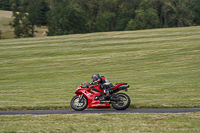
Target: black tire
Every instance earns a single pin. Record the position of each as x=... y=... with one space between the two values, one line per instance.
x=123 y=103
x=79 y=106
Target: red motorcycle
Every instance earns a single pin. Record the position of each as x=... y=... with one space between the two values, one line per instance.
x=94 y=97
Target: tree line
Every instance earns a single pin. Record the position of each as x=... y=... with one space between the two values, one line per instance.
x=84 y=16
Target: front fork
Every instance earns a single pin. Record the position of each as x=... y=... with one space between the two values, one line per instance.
x=80 y=97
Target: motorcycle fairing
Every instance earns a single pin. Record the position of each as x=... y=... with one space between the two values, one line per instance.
x=90 y=93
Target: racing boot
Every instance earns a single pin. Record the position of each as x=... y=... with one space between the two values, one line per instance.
x=107 y=95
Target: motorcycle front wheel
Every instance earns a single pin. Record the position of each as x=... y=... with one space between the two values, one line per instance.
x=79 y=105
x=123 y=102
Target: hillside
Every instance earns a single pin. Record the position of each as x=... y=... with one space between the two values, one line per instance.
x=160 y=65
x=5 y=18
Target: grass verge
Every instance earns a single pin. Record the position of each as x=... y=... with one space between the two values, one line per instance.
x=102 y=123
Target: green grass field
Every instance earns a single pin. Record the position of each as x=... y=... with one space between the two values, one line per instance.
x=160 y=65
x=102 y=123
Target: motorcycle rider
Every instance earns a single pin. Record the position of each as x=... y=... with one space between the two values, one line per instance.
x=103 y=82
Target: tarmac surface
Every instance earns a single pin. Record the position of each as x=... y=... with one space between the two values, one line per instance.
x=99 y=111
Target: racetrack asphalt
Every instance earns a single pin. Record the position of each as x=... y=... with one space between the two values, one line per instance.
x=99 y=111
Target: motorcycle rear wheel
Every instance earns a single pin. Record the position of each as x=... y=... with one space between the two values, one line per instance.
x=123 y=103
x=79 y=106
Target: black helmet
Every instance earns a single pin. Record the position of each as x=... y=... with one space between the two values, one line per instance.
x=95 y=76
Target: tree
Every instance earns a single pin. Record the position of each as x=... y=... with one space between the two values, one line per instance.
x=20 y=23
x=104 y=22
x=27 y=15
x=146 y=17
x=16 y=22
x=36 y=14
x=37 y=11
x=106 y=18
x=184 y=16
x=4 y=5
x=125 y=13
x=194 y=6
x=132 y=25
x=174 y=13
x=66 y=18
x=91 y=9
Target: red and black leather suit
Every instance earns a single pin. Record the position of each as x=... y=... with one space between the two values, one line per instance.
x=102 y=81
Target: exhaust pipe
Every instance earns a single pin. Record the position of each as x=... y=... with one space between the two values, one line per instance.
x=105 y=101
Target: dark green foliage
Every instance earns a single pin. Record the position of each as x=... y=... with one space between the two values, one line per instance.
x=104 y=21
x=37 y=10
x=21 y=24
x=17 y=21
x=83 y=16
x=174 y=13
x=125 y=13
x=4 y=5
x=183 y=15
x=110 y=15
x=66 y=18
x=146 y=17
x=195 y=8
x=27 y=15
